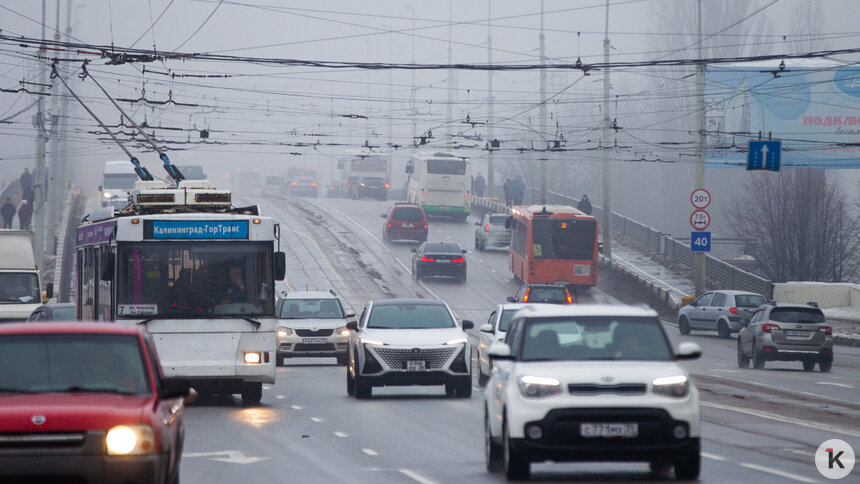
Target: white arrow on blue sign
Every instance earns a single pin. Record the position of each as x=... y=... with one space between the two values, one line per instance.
x=764 y=155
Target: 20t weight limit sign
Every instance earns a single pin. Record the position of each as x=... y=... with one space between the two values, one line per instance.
x=700 y=219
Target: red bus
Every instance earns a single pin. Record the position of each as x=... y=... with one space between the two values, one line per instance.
x=553 y=244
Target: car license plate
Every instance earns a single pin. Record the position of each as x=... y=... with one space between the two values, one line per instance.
x=412 y=365
x=314 y=341
x=407 y=226
x=581 y=270
x=609 y=430
x=443 y=261
x=794 y=332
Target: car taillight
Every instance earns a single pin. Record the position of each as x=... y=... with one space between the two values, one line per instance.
x=825 y=329
x=386 y=185
x=294 y=184
x=767 y=327
x=424 y=258
x=569 y=299
x=461 y=259
x=487 y=228
x=467 y=195
x=313 y=184
x=733 y=310
x=526 y=295
x=425 y=226
x=331 y=188
x=389 y=225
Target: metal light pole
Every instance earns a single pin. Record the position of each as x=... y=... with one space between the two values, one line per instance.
x=491 y=166
x=699 y=257
x=39 y=171
x=607 y=173
x=450 y=71
x=542 y=108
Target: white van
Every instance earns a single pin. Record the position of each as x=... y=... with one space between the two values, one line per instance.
x=119 y=178
x=20 y=289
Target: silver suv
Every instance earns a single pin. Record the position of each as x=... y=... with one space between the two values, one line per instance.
x=787 y=332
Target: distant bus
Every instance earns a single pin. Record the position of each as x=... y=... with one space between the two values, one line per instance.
x=441 y=183
x=553 y=243
x=118 y=180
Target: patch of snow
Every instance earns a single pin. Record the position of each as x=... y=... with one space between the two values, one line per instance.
x=846 y=313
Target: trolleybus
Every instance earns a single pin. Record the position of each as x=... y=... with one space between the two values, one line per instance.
x=197 y=272
x=552 y=244
x=441 y=183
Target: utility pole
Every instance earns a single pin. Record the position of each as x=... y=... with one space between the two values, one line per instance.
x=607 y=172
x=54 y=188
x=390 y=114
x=699 y=257
x=414 y=87
x=450 y=125
x=491 y=166
x=39 y=171
x=542 y=108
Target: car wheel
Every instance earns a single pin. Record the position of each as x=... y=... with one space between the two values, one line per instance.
x=342 y=360
x=743 y=360
x=659 y=467
x=350 y=383
x=279 y=360
x=808 y=365
x=252 y=393
x=723 y=329
x=483 y=379
x=418 y=275
x=684 y=325
x=825 y=364
x=464 y=390
x=516 y=467
x=493 y=452
x=689 y=462
x=758 y=358
x=477 y=244
x=450 y=390
x=363 y=391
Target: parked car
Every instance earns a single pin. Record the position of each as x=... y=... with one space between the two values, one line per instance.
x=53 y=312
x=787 y=332
x=87 y=402
x=312 y=323
x=301 y=186
x=590 y=383
x=405 y=221
x=543 y=293
x=445 y=259
x=273 y=185
x=400 y=342
x=492 y=332
x=491 y=231
x=370 y=186
x=722 y=311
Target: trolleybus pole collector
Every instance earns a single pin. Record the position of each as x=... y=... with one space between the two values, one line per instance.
x=197 y=272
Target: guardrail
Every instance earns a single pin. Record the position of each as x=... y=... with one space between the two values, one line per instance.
x=723 y=274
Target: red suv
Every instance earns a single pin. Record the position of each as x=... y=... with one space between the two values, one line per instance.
x=87 y=402
x=405 y=221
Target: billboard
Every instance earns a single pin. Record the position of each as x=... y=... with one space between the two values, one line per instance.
x=812 y=107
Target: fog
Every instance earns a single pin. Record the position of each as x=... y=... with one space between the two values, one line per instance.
x=273 y=117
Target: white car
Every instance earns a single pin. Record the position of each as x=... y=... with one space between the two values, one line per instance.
x=590 y=383
x=311 y=324
x=399 y=342
x=492 y=332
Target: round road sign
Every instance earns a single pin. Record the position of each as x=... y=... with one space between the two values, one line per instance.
x=700 y=220
x=700 y=198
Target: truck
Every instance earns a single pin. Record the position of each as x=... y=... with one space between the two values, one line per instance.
x=20 y=287
x=363 y=165
x=119 y=178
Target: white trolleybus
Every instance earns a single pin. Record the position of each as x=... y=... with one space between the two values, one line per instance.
x=198 y=272
x=441 y=183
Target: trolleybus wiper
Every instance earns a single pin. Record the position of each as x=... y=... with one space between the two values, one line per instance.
x=255 y=323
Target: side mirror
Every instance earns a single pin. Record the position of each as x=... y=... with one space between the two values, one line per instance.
x=350 y=314
x=383 y=215
x=49 y=290
x=107 y=267
x=413 y=250
x=468 y=324
x=100 y=188
x=465 y=251
x=500 y=351
x=174 y=388
x=487 y=328
x=511 y=299
x=688 y=351
x=478 y=223
x=280 y=266
x=352 y=326
x=692 y=303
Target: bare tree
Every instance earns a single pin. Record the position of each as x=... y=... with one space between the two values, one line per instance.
x=805 y=230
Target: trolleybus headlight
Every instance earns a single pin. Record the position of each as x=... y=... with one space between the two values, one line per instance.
x=130 y=439
x=107 y=195
x=252 y=358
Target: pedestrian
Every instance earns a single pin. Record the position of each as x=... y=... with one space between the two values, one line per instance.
x=507 y=187
x=479 y=185
x=584 y=205
x=25 y=213
x=518 y=189
x=8 y=212
x=26 y=181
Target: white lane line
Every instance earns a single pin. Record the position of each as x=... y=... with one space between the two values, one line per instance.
x=843 y=385
x=726 y=371
x=492 y=270
x=316 y=419
x=280 y=397
x=775 y=472
x=800 y=452
x=267 y=387
x=341 y=435
x=296 y=407
x=711 y=456
x=416 y=477
x=369 y=451
x=780 y=418
x=482 y=260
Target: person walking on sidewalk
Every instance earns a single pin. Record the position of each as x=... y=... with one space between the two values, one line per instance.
x=25 y=213
x=479 y=185
x=26 y=181
x=518 y=189
x=584 y=205
x=508 y=192
x=8 y=212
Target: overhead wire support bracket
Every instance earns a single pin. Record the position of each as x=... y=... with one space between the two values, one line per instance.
x=141 y=171
x=171 y=170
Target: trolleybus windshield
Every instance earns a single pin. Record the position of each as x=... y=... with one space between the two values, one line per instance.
x=177 y=279
x=563 y=239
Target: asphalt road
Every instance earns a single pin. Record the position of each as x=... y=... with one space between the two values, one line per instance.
x=758 y=425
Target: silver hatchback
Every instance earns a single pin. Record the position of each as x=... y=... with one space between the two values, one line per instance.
x=725 y=312
x=491 y=231
x=787 y=332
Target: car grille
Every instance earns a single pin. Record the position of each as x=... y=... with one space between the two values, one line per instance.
x=396 y=358
x=41 y=440
x=619 y=389
x=310 y=347
x=310 y=332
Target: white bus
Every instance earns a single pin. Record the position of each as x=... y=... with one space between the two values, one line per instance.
x=119 y=178
x=198 y=273
x=441 y=183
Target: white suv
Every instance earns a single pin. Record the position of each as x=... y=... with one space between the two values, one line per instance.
x=409 y=342
x=590 y=383
x=311 y=324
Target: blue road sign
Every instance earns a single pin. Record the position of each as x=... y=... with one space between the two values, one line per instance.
x=700 y=241
x=764 y=155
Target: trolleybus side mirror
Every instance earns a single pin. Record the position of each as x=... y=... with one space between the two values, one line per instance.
x=352 y=326
x=107 y=267
x=509 y=222
x=49 y=290
x=280 y=266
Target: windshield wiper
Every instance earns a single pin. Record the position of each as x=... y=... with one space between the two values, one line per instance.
x=144 y=321
x=80 y=389
x=255 y=323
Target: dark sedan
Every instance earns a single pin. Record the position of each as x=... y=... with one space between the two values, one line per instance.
x=439 y=259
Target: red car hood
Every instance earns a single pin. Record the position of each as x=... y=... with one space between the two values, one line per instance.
x=67 y=412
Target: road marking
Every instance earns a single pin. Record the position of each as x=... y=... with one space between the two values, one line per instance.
x=482 y=260
x=775 y=472
x=341 y=435
x=416 y=477
x=369 y=451
x=267 y=387
x=727 y=371
x=492 y=270
x=280 y=397
x=296 y=407
x=781 y=418
x=711 y=456
x=316 y=419
x=843 y=385
x=801 y=452
x=779 y=388
x=229 y=456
